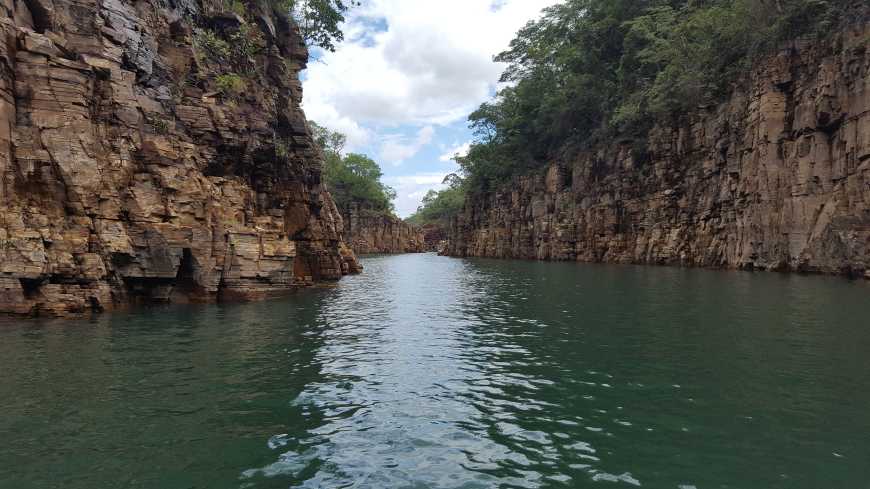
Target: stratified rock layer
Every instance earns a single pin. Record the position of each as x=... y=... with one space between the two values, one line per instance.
x=368 y=231
x=777 y=178
x=435 y=237
x=125 y=174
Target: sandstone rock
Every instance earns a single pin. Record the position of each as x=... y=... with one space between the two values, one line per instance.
x=124 y=176
x=368 y=231
x=435 y=238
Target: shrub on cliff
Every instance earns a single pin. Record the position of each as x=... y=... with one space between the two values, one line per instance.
x=230 y=84
x=228 y=54
x=597 y=69
x=319 y=23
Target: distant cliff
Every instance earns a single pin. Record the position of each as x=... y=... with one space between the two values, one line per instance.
x=434 y=237
x=776 y=178
x=371 y=231
x=156 y=151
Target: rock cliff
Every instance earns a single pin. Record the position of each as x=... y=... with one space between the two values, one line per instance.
x=155 y=150
x=368 y=231
x=776 y=178
x=434 y=237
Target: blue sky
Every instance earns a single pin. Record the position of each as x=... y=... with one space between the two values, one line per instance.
x=406 y=77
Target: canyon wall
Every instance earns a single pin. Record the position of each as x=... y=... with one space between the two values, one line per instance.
x=777 y=178
x=368 y=231
x=434 y=237
x=137 y=166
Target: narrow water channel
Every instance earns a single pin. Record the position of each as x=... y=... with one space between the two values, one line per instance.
x=431 y=372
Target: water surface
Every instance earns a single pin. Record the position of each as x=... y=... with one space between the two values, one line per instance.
x=430 y=372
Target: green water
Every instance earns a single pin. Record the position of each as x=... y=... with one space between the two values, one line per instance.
x=430 y=372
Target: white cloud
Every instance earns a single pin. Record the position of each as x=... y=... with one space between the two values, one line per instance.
x=406 y=69
x=395 y=149
x=327 y=116
x=432 y=65
x=457 y=151
x=410 y=189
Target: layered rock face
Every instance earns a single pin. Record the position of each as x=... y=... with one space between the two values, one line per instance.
x=129 y=171
x=776 y=178
x=368 y=231
x=434 y=237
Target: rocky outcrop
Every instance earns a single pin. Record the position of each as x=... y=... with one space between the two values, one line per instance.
x=434 y=237
x=129 y=171
x=777 y=178
x=369 y=231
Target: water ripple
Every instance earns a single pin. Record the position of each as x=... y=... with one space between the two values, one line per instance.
x=428 y=372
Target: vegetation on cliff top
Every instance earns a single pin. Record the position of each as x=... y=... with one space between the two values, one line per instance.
x=353 y=178
x=439 y=206
x=319 y=21
x=230 y=53
x=595 y=70
x=591 y=70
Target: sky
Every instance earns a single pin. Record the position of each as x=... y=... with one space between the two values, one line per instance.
x=404 y=80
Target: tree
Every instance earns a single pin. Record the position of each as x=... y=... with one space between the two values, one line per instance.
x=438 y=207
x=329 y=141
x=591 y=70
x=319 y=20
x=353 y=178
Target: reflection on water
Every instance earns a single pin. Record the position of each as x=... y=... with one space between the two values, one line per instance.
x=434 y=372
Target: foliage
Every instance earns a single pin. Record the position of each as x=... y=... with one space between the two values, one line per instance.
x=352 y=178
x=319 y=21
x=330 y=141
x=235 y=6
x=231 y=53
x=246 y=43
x=439 y=206
x=590 y=69
x=158 y=123
x=237 y=51
x=282 y=148
x=230 y=84
x=229 y=56
x=209 y=46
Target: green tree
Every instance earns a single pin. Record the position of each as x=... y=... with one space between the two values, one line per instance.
x=438 y=207
x=593 y=70
x=352 y=178
x=319 y=20
x=329 y=141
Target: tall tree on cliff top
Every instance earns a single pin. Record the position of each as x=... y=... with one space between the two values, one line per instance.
x=319 y=20
x=352 y=178
x=590 y=71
